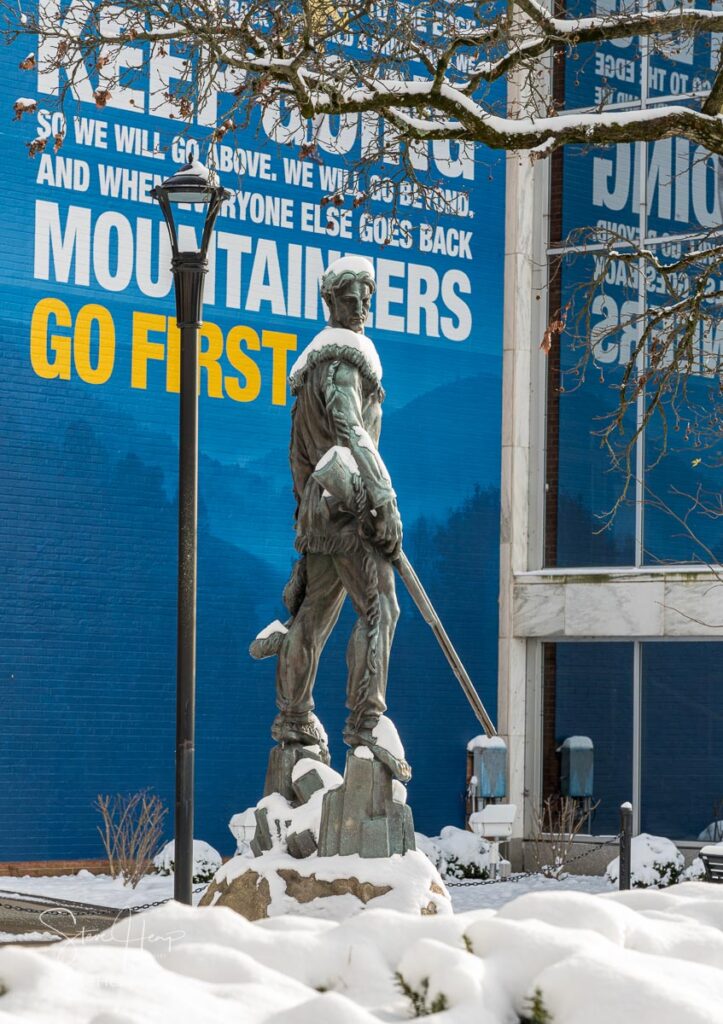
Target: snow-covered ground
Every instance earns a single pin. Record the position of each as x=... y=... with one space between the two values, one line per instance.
x=474 y=897
x=101 y=890
x=30 y=937
x=104 y=891
x=642 y=957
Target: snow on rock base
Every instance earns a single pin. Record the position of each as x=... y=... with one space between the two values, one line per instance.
x=276 y=884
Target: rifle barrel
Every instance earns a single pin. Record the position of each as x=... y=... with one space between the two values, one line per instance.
x=421 y=600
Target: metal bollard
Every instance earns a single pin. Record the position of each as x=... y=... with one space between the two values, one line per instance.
x=626 y=841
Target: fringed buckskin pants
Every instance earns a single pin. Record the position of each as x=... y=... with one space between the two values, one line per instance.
x=368 y=578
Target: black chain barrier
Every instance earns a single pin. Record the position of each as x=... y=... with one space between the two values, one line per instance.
x=517 y=876
x=160 y=903
x=599 y=846
x=466 y=883
x=50 y=907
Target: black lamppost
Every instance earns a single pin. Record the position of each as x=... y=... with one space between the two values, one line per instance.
x=188 y=185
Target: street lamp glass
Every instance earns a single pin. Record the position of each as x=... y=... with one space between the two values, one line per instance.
x=190 y=184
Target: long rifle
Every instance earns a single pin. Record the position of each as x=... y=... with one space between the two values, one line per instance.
x=419 y=595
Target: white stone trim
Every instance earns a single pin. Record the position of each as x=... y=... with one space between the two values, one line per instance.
x=684 y=571
x=640 y=606
x=522 y=492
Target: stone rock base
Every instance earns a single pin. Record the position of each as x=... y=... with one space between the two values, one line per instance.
x=282 y=760
x=329 y=887
x=361 y=816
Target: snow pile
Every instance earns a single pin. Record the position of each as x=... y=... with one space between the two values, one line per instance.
x=695 y=872
x=341 y=338
x=656 y=862
x=194 y=167
x=385 y=735
x=345 y=456
x=641 y=957
x=469 y=896
x=456 y=853
x=30 y=937
x=206 y=860
x=273 y=627
x=350 y=265
x=484 y=742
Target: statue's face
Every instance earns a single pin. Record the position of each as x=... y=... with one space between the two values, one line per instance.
x=349 y=305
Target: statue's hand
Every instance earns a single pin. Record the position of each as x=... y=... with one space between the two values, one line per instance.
x=388 y=530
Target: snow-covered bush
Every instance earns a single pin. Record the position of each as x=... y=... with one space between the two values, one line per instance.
x=712 y=833
x=695 y=872
x=655 y=862
x=421 y=1003
x=537 y=1013
x=429 y=848
x=456 y=853
x=206 y=860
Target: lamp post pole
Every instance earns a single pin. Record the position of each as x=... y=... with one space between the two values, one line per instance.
x=189 y=185
x=187 y=273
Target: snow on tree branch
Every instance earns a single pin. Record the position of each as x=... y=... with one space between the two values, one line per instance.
x=424 y=69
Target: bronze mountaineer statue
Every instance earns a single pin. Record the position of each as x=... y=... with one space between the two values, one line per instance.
x=347 y=540
x=349 y=535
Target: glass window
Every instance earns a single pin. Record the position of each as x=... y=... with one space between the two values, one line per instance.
x=582 y=488
x=601 y=73
x=588 y=691
x=681 y=63
x=666 y=190
x=682 y=738
x=682 y=508
x=601 y=190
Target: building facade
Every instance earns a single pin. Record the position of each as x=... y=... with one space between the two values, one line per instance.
x=611 y=625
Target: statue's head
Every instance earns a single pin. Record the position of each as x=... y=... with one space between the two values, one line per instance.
x=347 y=288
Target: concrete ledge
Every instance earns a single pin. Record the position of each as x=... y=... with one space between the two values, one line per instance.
x=19 y=868
x=619 y=604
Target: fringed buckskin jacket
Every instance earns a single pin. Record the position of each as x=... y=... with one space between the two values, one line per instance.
x=338 y=389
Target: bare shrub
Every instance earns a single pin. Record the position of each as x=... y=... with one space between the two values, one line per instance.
x=554 y=827
x=131 y=832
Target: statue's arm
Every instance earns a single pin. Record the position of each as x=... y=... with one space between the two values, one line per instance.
x=343 y=393
x=344 y=404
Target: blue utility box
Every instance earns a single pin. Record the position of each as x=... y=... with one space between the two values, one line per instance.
x=576 y=769
x=490 y=767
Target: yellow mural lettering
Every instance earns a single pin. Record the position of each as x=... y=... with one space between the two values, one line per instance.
x=173 y=357
x=210 y=351
x=245 y=365
x=143 y=348
x=50 y=356
x=91 y=316
x=61 y=340
x=280 y=344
